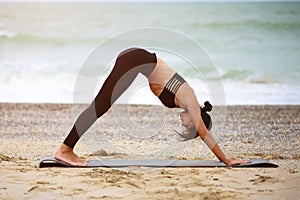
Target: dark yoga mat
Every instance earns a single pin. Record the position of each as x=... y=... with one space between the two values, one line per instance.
x=52 y=162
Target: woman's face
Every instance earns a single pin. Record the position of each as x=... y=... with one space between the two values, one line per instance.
x=186 y=119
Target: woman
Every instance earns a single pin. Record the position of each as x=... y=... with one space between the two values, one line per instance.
x=165 y=83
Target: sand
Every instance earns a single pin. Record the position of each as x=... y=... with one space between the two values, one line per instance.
x=32 y=131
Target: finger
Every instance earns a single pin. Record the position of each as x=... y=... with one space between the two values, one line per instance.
x=245 y=161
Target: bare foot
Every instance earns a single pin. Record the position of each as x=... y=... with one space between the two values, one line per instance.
x=67 y=155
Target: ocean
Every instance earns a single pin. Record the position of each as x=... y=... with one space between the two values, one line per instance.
x=245 y=53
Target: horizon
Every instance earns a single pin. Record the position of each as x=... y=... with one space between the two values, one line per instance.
x=140 y=1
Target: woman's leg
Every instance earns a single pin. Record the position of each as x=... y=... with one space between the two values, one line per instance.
x=113 y=87
x=127 y=67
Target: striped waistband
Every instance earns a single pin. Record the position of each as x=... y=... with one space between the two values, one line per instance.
x=174 y=83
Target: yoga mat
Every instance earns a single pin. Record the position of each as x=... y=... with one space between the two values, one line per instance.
x=52 y=162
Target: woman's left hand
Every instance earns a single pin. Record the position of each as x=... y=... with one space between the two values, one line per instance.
x=235 y=161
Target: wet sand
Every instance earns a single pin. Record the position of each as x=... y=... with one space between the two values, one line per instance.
x=32 y=131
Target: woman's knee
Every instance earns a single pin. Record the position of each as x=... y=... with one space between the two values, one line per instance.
x=99 y=108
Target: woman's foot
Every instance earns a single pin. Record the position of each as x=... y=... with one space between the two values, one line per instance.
x=67 y=155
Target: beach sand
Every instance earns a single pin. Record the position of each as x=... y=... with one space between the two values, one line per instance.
x=32 y=131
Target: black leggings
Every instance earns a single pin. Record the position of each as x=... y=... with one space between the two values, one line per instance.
x=128 y=64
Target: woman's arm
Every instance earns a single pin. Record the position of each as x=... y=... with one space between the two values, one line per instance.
x=188 y=100
x=194 y=110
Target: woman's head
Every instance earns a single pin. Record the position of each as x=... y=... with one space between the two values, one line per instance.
x=186 y=120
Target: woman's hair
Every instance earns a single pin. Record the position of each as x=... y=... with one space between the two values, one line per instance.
x=205 y=117
x=190 y=133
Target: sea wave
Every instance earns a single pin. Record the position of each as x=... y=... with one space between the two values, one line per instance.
x=234 y=74
x=248 y=76
x=17 y=38
x=251 y=23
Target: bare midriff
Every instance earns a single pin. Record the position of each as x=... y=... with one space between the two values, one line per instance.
x=161 y=74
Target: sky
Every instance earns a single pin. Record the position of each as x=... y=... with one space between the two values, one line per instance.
x=148 y=0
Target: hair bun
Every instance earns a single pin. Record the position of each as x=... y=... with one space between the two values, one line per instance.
x=207 y=106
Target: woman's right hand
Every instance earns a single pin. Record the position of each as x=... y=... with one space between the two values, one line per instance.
x=235 y=161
